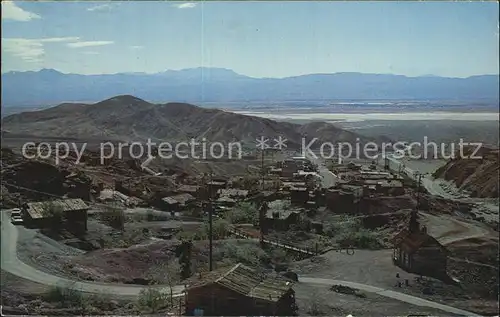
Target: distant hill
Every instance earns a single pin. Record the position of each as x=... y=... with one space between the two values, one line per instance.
x=128 y=118
x=49 y=86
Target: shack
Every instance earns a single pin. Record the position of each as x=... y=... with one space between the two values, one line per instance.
x=418 y=252
x=193 y=190
x=70 y=212
x=241 y=291
x=233 y=193
x=278 y=216
x=178 y=202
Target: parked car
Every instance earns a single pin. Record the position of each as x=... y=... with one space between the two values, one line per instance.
x=17 y=219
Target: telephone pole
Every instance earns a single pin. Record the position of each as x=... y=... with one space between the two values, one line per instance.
x=262 y=169
x=414 y=225
x=419 y=183
x=210 y=236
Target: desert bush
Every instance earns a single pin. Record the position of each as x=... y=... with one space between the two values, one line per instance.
x=245 y=212
x=220 y=229
x=351 y=233
x=65 y=296
x=151 y=300
x=247 y=253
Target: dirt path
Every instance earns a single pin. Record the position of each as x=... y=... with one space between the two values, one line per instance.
x=388 y=293
x=11 y=264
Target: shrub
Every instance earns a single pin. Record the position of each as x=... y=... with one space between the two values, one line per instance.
x=244 y=212
x=351 y=233
x=246 y=252
x=151 y=300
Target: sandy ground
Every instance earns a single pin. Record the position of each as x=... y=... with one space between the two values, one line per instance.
x=330 y=303
x=376 y=268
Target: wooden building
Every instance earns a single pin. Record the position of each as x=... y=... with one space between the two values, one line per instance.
x=241 y=291
x=178 y=202
x=239 y=194
x=299 y=195
x=418 y=252
x=193 y=190
x=72 y=212
x=281 y=219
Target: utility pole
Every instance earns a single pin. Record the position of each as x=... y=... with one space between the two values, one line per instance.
x=262 y=169
x=210 y=236
x=386 y=163
x=414 y=226
x=419 y=183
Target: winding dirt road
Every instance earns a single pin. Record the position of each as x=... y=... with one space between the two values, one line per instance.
x=11 y=263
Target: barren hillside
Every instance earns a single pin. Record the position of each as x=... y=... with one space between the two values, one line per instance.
x=479 y=176
x=128 y=118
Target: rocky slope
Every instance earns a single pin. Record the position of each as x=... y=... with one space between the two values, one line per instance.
x=478 y=176
x=128 y=118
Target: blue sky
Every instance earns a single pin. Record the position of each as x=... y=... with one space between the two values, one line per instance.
x=259 y=39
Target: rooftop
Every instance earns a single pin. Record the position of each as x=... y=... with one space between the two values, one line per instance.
x=39 y=210
x=178 y=199
x=411 y=242
x=232 y=192
x=248 y=282
x=188 y=188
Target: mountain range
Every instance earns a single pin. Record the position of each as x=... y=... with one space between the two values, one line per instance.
x=51 y=87
x=130 y=119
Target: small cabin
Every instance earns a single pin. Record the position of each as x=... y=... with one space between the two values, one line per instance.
x=419 y=253
x=240 y=291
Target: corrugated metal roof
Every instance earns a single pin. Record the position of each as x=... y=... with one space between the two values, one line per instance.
x=39 y=210
x=180 y=199
x=188 y=188
x=411 y=242
x=247 y=282
x=233 y=192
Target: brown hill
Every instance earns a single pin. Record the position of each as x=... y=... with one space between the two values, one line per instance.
x=128 y=118
x=479 y=176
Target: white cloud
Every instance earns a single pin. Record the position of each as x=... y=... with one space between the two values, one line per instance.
x=187 y=5
x=90 y=53
x=31 y=50
x=88 y=43
x=103 y=7
x=136 y=47
x=10 y=11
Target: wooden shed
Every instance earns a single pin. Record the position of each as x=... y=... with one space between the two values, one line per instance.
x=419 y=253
x=73 y=212
x=241 y=291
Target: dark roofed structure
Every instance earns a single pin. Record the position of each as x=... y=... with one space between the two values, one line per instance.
x=181 y=199
x=39 y=210
x=241 y=291
x=233 y=193
x=415 y=251
x=191 y=189
x=45 y=213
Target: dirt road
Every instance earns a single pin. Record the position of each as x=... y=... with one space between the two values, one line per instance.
x=11 y=264
x=388 y=293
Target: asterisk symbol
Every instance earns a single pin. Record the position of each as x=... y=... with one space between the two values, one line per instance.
x=262 y=143
x=280 y=143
